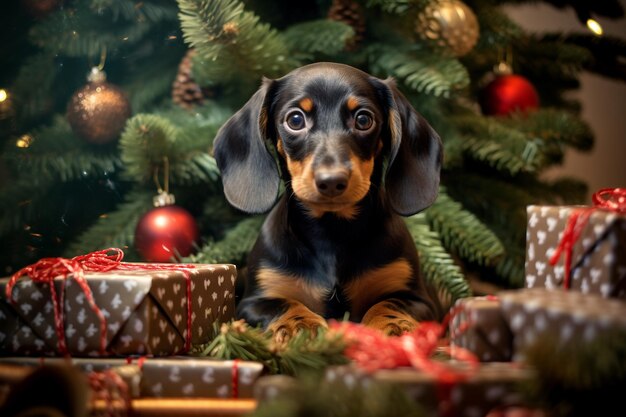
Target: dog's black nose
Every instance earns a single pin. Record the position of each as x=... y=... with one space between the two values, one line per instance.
x=331 y=183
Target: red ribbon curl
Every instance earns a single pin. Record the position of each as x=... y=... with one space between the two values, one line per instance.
x=47 y=269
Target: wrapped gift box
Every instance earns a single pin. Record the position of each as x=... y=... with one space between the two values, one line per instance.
x=173 y=377
x=493 y=385
x=598 y=263
x=146 y=311
x=571 y=316
x=479 y=326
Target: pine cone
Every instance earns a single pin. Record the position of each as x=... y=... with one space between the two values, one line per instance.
x=350 y=13
x=185 y=91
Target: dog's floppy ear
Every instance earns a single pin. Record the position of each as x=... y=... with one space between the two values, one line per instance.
x=415 y=156
x=249 y=173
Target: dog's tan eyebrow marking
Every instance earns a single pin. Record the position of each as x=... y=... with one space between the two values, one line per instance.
x=372 y=285
x=306 y=104
x=352 y=103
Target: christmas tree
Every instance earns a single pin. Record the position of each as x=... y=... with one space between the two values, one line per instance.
x=83 y=159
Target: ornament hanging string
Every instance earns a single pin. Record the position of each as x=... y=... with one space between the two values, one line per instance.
x=166 y=177
x=613 y=199
x=47 y=269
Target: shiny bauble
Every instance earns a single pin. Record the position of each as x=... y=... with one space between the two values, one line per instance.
x=166 y=234
x=448 y=25
x=507 y=94
x=98 y=111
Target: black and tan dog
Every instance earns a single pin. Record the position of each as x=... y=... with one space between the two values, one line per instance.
x=354 y=155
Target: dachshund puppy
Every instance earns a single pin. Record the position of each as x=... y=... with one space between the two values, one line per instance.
x=354 y=157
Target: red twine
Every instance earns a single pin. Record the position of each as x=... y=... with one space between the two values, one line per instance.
x=109 y=386
x=47 y=269
x=613 y=199
x=371 y=350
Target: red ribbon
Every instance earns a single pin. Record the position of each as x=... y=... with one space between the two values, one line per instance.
x=613 y=199
x=371 y=350
x=235 y=379
x=47 y=269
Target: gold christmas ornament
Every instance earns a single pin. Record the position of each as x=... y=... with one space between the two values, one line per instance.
x=450 y=25
x=98 y=111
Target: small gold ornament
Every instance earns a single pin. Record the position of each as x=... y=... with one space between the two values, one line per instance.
x=98 y=111
x=450 y=25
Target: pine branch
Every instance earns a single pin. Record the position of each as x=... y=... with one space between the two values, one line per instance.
x=462 y=232
x=115 y=229
x=419 y=71
x=34 y=98
x=437 y=264
x=607 y=53
x=79 y=32
x=133 y=11
x=326 y=37
x=501 y=147
x=396 y=6
x=237 y=340
x=554 y=130
x=56 y=153
x=234 y=246
x=148 y=138
x=215 y=26
x=497 y=29
x=20 y=201
x=306 y=354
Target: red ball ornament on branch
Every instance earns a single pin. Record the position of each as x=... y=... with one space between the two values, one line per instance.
x=166 y=234
x=506 y=94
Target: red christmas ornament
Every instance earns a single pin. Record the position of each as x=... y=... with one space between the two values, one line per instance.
x=165 y=234
x=508 y=93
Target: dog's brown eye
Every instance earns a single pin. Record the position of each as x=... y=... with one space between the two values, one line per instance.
x=296 y=120
x=363 y=121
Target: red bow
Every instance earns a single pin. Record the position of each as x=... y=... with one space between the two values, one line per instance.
x=613 y=199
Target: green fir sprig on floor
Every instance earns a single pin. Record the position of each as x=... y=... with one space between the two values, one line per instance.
x=237 y=340
x=303 y=353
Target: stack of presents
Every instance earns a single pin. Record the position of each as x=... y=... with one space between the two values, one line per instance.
x=140 y=322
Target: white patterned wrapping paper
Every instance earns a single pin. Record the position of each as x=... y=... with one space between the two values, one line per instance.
x=478 y=326
x=598 y=257
x=571 y=316
x=146 y=312
x=171 y=377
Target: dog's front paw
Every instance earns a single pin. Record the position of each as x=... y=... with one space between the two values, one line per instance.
x=388 y=319
x=297 y=318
